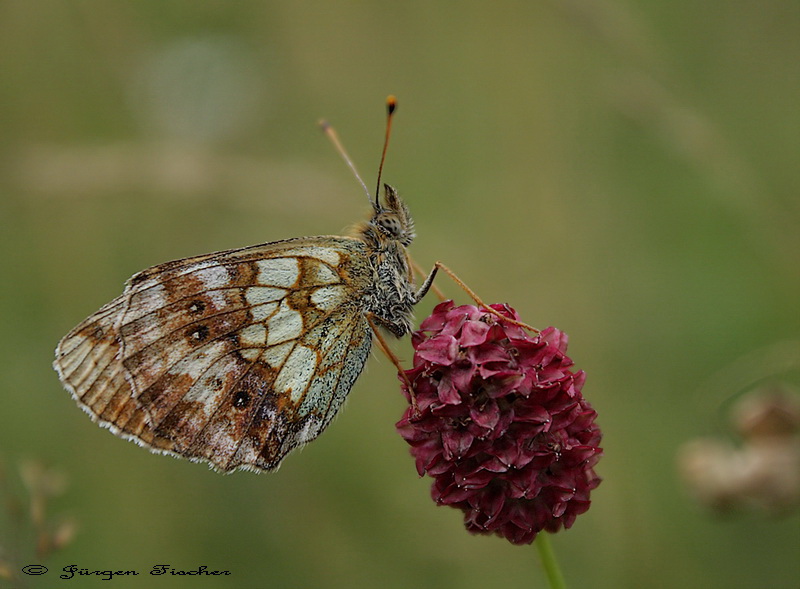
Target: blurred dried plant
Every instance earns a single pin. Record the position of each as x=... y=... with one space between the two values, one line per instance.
x=763 y=472
x=28 y=533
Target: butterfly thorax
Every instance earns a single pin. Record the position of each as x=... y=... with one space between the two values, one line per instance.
x=391 y=296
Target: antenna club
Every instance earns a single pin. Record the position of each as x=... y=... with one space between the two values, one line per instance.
x=323 y=125
x=391 y=104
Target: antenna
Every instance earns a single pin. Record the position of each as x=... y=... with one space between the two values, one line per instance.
x=329 y=131
x=391 y=106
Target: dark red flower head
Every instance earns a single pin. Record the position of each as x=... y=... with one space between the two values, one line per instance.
x=500 y=422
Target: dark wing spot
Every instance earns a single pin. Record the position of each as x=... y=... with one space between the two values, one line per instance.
x=241 y=399
x=198 y=333
x=197 y=307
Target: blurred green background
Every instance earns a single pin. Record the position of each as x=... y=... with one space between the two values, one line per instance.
x=626 y=171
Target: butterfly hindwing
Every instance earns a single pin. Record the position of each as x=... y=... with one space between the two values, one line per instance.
x=234 y=358
x=310 y=386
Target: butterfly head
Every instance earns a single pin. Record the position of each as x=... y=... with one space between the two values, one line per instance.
x=392 y=220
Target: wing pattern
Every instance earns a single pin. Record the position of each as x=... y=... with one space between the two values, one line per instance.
x=234 y=358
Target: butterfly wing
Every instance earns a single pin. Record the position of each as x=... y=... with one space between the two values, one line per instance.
x=234 y=358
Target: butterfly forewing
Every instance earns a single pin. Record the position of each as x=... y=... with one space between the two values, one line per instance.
x=234 y=358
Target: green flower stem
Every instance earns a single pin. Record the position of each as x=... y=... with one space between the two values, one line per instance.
x=548 y=558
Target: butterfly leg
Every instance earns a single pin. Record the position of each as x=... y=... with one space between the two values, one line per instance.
x=426 y=285
x=394 y=359
x=418 y=271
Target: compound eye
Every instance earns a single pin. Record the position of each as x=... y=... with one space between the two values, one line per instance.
x=391 y=225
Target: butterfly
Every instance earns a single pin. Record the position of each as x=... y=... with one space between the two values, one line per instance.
x=238 y=357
